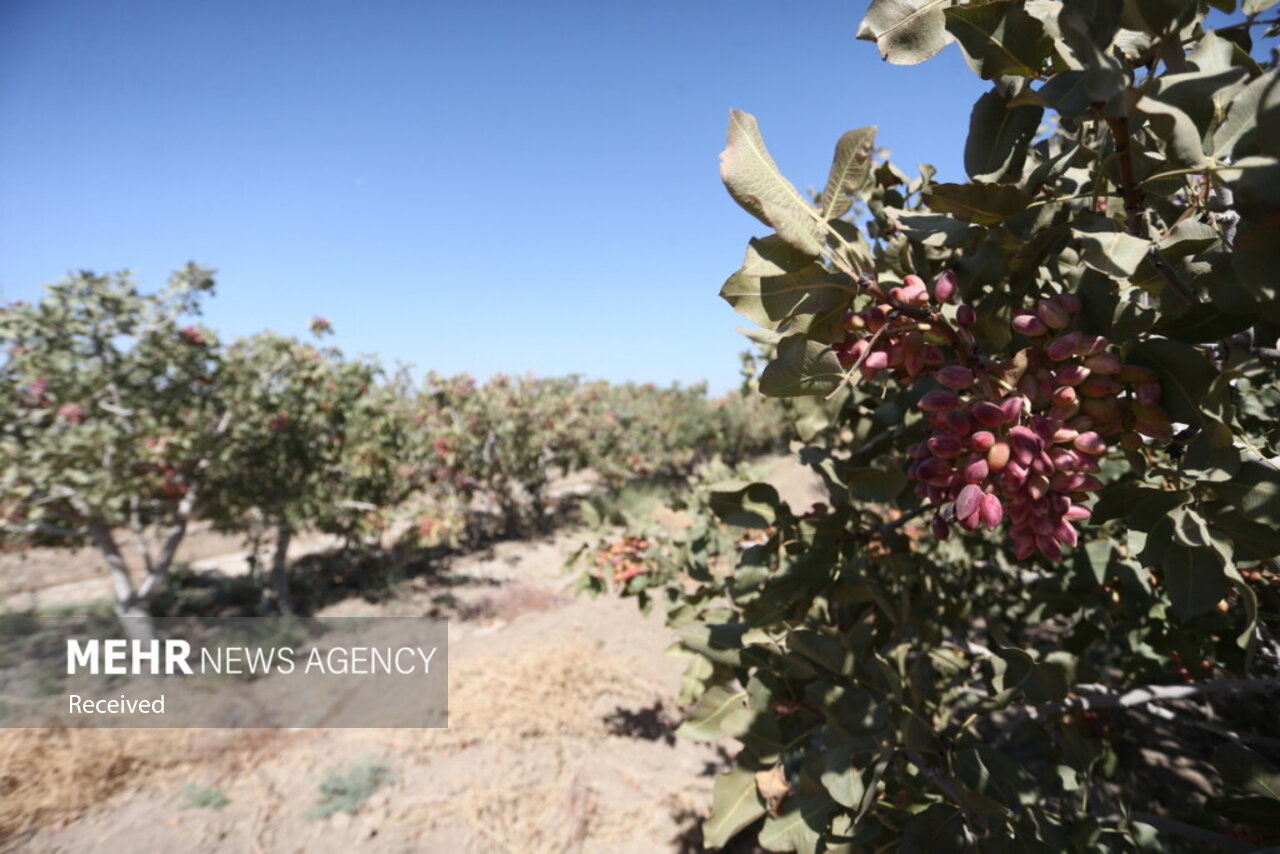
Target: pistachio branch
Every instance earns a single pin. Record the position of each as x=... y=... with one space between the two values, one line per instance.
x=1135 y=212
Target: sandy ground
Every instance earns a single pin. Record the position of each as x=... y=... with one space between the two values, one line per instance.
x=560 y=738
x=42 y=577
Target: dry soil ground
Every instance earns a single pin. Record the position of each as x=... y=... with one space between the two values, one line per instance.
x=560 y=737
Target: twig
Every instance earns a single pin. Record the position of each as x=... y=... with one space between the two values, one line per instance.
x=1135 y=212
x=848 y=375
x=1244 y=25
x=889 y=527
x=1100 y=698
x=1232 y=735
x=934 y=775
x=1267 y=353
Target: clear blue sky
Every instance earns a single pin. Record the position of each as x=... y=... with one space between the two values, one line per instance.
x=466 y=187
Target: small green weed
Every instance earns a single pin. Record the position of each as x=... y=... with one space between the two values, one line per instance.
x=196 y=796
x=346 y=791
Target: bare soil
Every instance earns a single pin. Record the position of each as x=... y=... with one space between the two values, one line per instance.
x=561 y=735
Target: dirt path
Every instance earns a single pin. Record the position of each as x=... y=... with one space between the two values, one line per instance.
x=560 y=740
x=557 y=742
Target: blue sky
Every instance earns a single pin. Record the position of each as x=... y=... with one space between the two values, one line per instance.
x=474 y=187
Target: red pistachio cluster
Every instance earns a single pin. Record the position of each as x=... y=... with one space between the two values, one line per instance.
x=625 y=557
x=892 y=337
x=1021 y=438
x=192 y=335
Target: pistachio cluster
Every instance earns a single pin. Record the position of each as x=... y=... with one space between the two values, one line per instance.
x=1020 y=439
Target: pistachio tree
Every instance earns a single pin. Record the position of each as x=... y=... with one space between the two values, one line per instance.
x=1042 y=402
x=109 y=419
x=282 y=468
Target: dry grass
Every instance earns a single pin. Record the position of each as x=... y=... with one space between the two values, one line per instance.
x=53 y=775
x=513 y=601
x=554 y=689
x=552 y=696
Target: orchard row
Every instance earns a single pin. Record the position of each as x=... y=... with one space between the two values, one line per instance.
x=123 y=416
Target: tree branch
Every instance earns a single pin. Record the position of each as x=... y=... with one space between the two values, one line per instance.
x=1189 y=831
x=1099 y=697
x=1135 y=212
x=889 y=527
x=46 y=528
x=933 y=775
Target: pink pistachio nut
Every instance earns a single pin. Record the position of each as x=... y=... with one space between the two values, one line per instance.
x=1053 y=314
x=939 y=400
x=944 y=287
x=1027 y=323
x=955 y=377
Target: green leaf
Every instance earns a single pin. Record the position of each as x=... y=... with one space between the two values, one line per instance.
x=1193 y=578
x=1211 y=454
x=771 y=256
x=999 y=134
x=999 y=39
x=1050 y=169
x=844 y=782
x=1242 y=116
x=984 y=204
x=706 y=722
x=1185 y=377
x=1203 y=95
x=937 y=830
x=850 y=171
x=753 y=505
x=1251 y=539
x=722 y=643
x=876 y=484
x=1066 y=93
x=1088 y=27
x=1097 y=555
x=1156 y=17
x=798 y=827
x=1107 y=248
x=932 y=229
x=1214 y=53
x=1247 y=770
x=1257 y=252
x=1150 y=507
x=1248 y=598
x=735 y=804
x=1203 y=324
x=1175 y=130
x=770 y=300
x=1257 y=7
x=1041 y=681
x=754 y=181
x=1189 y=527
x=824 y=651
x=906 y=31
x=1254 y=491
x=1269 y=117
x=802 y=367
x=1189 y=237
x=1253 y=810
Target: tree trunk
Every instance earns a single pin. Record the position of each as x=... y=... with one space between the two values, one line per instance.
x=279 y=570
x=130 y=607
